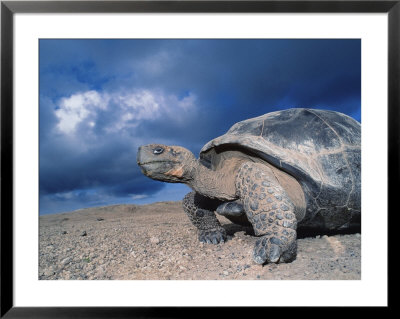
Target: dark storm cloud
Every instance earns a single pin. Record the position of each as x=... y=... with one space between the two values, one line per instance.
x=101 y=99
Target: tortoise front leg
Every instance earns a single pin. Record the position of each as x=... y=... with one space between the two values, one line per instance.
x=200 y=211
x=270 y=211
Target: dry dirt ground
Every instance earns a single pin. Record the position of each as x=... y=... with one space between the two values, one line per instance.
x=157 y=241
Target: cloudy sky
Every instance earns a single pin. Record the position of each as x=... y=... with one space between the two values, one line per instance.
x=101 y=99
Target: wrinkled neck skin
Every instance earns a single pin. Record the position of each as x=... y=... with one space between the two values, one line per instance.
x=175 y=164
x=219 y=184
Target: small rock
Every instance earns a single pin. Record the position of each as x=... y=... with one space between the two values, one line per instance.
x=66 y=275
x=64 y=232
x=84 y=233
x=225 y=273
x=154 y=240
x=66 y=261
x=48 y=272
x=100 y=219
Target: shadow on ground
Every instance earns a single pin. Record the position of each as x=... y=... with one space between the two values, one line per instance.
x=302 y=232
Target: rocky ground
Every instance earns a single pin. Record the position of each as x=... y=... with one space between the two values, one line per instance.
x=157 y=241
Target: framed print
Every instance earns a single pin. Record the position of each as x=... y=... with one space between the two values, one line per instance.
x=102 y=100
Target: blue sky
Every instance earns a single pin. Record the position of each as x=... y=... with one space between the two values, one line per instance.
x=101 y=99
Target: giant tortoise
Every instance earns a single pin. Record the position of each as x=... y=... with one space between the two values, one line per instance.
x=283 y=170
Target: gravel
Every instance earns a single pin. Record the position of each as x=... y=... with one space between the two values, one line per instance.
x=157 y=241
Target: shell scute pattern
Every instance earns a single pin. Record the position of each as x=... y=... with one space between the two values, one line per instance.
x=320 y=148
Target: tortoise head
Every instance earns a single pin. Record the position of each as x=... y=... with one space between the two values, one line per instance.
x=171 y=164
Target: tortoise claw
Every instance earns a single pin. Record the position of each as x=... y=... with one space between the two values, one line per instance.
x=212 y=236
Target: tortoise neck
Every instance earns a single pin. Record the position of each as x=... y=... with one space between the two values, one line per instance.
x=217 y=184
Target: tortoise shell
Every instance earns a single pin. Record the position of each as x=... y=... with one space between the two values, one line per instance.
x=320 y=148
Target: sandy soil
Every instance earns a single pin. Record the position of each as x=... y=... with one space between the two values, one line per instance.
x=157 y=241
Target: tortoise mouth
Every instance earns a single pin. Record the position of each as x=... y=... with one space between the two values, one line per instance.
x=149 y=163
x=153 y=167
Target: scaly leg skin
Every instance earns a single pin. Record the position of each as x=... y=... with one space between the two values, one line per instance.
x=200 y=211
x=270 y=211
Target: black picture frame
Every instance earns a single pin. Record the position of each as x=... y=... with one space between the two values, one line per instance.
x=9 y=8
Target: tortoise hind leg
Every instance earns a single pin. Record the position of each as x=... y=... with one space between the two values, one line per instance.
x=234 y=208
x=234 y=211
x=270 y=211
x=200 y=211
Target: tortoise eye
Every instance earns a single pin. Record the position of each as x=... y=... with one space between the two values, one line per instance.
x=158 y=150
